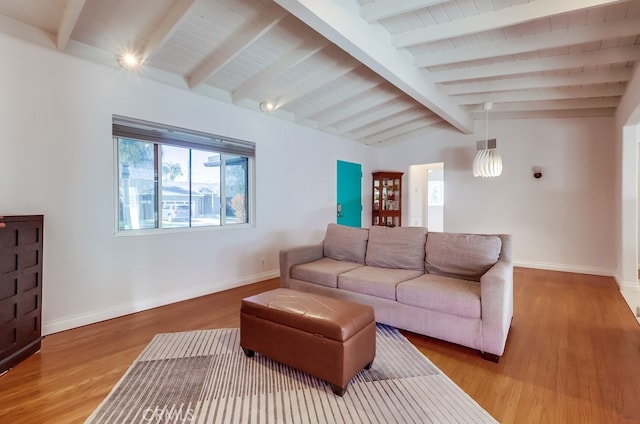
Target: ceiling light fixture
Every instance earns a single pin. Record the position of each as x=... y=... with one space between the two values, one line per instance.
x=267 y=107
x=487 y=162
x=129 y=61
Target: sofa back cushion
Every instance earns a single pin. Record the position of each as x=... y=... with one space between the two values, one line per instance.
x=397 y=247
x=344 y=243
x=466 y=256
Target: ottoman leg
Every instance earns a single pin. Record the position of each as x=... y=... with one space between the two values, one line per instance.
x=248 y=352
x=337 y=390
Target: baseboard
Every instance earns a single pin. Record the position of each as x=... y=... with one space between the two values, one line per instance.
x=566 y=268
x=628 y=286
x=79 y=320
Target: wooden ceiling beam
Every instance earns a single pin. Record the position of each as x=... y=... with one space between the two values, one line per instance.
x=553 y=93
x=550 y=114
x=340 y=22
x=399 y=130
x=235 y=45
x=68 y=22
x=167 y=28
x=357 y=106
x=500 y=18
x=544 y=41
x=280 y=66
x=552 y=63
x=565 y=104
x=310 y=85
x=367 y=120
x=398 y=115
x=569 y=79
x=334 y=99
x=414 y=134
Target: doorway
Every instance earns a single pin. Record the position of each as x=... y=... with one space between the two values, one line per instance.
x=426 y=196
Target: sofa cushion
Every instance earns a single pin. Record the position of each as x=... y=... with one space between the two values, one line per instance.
x=444 y=294
x=374 y=281
x=466 y=256
x=324 y=271
x=344 y=243
x=397 y=247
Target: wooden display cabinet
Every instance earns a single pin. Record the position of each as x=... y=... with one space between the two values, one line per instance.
x=386 y=208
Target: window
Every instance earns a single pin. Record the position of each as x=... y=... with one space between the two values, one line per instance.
x=169 y=177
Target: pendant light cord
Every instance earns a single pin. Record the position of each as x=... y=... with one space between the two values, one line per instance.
x=486 y=127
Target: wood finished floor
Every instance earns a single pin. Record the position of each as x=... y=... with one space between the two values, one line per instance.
x=573 y=356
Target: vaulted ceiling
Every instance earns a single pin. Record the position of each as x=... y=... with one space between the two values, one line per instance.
x=377 y=71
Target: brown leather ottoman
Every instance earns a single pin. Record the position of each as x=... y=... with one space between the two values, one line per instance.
x=328 y=338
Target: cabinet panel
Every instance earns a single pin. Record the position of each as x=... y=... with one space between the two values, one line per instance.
x=20 y=288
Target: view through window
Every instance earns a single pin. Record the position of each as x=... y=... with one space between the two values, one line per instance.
x=175 y=178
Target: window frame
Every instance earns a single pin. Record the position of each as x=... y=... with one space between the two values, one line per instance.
x=159 y=135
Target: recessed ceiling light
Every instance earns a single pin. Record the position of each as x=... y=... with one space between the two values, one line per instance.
x=129 y=61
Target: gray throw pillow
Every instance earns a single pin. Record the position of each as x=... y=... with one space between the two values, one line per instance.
x=396 y=247
x=459 y=255
x=344 y=243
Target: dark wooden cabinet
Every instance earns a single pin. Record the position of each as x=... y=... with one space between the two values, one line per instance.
x=20 y=288
x=387 y=199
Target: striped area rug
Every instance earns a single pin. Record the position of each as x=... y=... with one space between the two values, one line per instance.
x=204 y=377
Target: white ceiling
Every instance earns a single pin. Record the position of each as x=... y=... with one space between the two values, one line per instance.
x=377 y=71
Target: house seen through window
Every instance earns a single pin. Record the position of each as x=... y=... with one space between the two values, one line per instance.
x=172 y=178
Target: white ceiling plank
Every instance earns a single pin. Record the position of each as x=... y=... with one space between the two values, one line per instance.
x=591 y=58
x=501 y=18
x=400 y=129
x=167 y=28
x=341 y=23
x=282 y=65
x=544 y=41
x=543 y=94
x=341 y=113
x=337 y=97
x=584 y=78
x=69 y=19
x=237 y=43
x=310 y=85
x=385 y=122
x=374 y=114
x=382 y=9
x=410 y=135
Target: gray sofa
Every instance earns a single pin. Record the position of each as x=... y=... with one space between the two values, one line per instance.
x=450 y=286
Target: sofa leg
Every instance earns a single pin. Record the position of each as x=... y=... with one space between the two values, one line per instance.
x=490 y=357
x=368 y=366
x=248 y=352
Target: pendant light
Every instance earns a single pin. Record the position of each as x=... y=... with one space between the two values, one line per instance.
x=487 y=162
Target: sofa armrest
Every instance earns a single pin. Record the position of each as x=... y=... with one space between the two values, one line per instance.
x=496 y=296
x=295 y=256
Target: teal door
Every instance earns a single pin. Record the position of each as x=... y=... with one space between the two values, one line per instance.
x=349 y=197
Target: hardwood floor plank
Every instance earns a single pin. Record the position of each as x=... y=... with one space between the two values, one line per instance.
x=573 y=355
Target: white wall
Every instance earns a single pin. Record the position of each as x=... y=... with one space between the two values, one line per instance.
x=56 y=159
x=627 y=138
x=563 y=221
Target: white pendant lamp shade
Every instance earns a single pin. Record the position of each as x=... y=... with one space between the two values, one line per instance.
x=487 y=163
